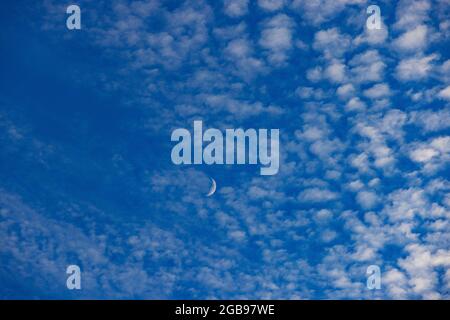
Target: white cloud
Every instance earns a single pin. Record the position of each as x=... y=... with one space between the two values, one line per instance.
x=319 y=11
x=405 y=204
x=331 y=42
x=355 y=185
x=367 y=199
x=445 y=93
x=376 y=145
x=328 y=235
x=230 y=32
x=444 y=71
x=239 y=48
x=271 y=5
x=325 y=148
x=355 y=104
x=442 y=144
x=310 y=93
x=396 y=283
x=411 y=13
x=378 y=91
x=314 y=74
x=431 y=120
x=367 y=67
x=237 y=235
x=336 y=72
x=304 y=92
x=240 y=109
x=323 y=216
x=373 y=37
x=276 y=37
x=345 y=91
x=423 y=154
x=236 y=8
x=432 y=155
x=420 y=265
x=317 y=195
x=412 y=40
x=416 y=68
x=240 y=52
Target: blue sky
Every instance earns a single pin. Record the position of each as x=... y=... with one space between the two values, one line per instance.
x=86 y=176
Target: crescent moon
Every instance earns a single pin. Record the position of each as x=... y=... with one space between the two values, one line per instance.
x=213 y=188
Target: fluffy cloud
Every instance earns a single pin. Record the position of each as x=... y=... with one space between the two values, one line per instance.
x=431 y=121
x=367 y=199
x=433 y=155
x=355 y=104
x=271 y=5
x=378 y=91
x=423 y=154
x=317 y=195
x=445 y=93
x=367 y=67
x=331 y=42
x=345 y=91
x=413 y=40
x=276 y=37
x=236 y=8
x=336 y=72
x=320 y=11
x=375 y=37
x=412 y=13
x=416 y=68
